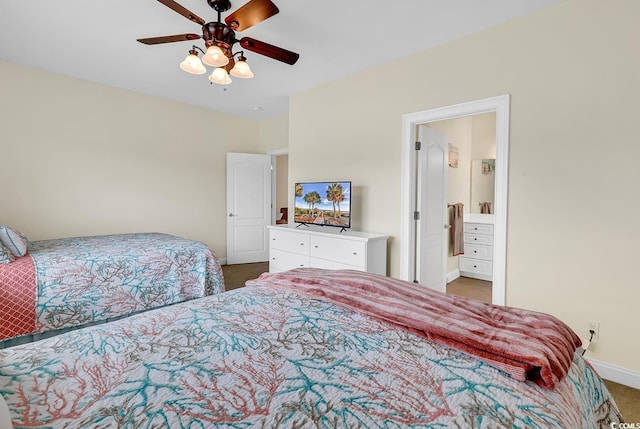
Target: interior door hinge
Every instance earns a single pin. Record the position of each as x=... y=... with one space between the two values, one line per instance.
x=418 y=145
x=416 y=215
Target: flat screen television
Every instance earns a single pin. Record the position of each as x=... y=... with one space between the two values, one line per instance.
x=323 y=203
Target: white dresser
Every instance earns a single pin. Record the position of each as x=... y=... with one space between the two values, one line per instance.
x=477 y=261
x=295 y=247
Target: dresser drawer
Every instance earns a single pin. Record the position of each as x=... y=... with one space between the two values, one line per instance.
x=343 y=251
x=333 y=265
x=478 y=251
x=478 y=228
x=486 y=240
x=475 y=266
x=280 y=260
x=289 y=241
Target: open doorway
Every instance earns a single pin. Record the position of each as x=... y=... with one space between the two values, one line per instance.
x=411 y=123
x=470 y=169
x=280 y=186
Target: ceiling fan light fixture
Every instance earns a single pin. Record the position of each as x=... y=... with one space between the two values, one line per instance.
x=241 y=69
x=220 y=76
x=215 y=57
x=192 y=63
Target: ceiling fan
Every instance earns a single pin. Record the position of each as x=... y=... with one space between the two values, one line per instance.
x=220 y=37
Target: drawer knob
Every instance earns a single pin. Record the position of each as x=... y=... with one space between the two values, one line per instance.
x=355 y=253
x=316 y=246
x=302 y=244
x=475 y=266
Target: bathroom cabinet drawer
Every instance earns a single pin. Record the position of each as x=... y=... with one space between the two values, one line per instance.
x=478 y=228
x=476 y=266
x=478 y=251
x=486 y=240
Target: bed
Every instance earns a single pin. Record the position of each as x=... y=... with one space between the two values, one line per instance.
x=65 y=283
x=291 y=350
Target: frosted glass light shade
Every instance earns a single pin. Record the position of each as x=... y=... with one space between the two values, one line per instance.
x=215 y=57
x=242 y=70
x=220 y=76
x=193 y=65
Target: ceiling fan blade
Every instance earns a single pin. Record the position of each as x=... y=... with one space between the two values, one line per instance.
x=183 y=11
x=250 y=14
x=269 y=50
x=169 y=39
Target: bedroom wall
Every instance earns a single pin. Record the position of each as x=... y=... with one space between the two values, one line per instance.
x=274 y=134
x=79 y=158
x=573 y=174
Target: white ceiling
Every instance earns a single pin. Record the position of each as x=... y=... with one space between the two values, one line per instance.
x=96 y=41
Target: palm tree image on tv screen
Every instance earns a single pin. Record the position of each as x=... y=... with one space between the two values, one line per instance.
x=323 y=203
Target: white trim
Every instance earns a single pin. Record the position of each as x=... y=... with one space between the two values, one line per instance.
x=452 y=275
x=277 y=152
x=616 y=374
x=500 y=105
x=222 y=261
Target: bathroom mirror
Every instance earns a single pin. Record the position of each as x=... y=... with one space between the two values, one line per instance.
x=482 y=186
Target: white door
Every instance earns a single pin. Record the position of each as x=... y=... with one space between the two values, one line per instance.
x=432 y=225
x=248 y=207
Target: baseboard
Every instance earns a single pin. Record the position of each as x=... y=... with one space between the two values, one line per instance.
x=452 y=275
x=616 y=374
x=222 y=261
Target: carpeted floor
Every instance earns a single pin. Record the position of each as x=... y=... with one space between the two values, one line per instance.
x=236 y=275
x=627 y=398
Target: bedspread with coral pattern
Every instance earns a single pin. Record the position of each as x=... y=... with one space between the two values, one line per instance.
x=85 y=279
x=265 y=357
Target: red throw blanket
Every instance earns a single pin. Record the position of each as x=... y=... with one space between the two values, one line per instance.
x=525 y=344
x=17 y=298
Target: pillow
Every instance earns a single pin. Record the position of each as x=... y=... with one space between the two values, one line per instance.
x=13 y=240
x=5 y=255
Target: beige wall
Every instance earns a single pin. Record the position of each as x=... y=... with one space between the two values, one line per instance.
x=80 y=158
x=274 y=134
x=573 y=178
x=483 y=144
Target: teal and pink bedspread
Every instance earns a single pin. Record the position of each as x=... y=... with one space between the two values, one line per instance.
x=69 y=282
x=267 y=356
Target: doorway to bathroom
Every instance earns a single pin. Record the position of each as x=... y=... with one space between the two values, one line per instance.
x=426 y=206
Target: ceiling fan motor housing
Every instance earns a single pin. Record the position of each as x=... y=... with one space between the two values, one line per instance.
x=218 y=33
x=219 y=5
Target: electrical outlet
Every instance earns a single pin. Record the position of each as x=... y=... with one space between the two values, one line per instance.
x=594 y=326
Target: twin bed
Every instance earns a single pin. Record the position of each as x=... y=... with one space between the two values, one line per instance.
x=310 y=348
x=65 y=283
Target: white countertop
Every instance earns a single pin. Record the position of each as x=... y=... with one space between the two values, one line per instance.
x=479 y=218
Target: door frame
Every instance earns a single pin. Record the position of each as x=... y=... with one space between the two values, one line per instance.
x=500 y=105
